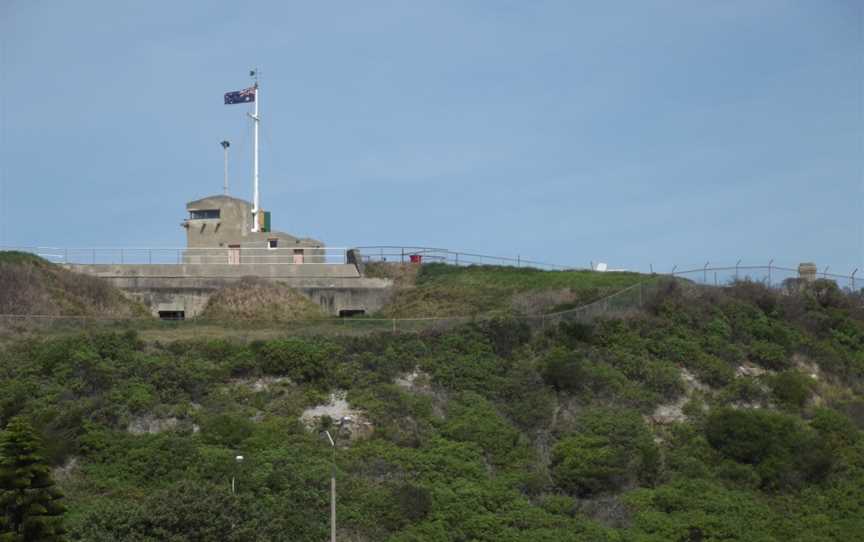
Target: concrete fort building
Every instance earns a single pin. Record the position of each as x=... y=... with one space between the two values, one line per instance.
x=228 y=241
x=222 y=250
x=219 y=231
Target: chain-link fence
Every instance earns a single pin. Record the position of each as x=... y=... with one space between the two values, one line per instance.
x=630 y=300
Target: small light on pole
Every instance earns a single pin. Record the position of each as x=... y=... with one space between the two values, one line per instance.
x=238 y=459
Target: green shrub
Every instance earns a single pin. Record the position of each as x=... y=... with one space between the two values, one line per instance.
x=608 y=450
x=744 y=389
x=563 y=369
x=226 y=429
x=791 y=389
x=506 y=334
x=769 y=355
x=784 y=452
x=740 y=475
x=711 y=370
x=471 y=418
x=302 y=360
x=699 y=510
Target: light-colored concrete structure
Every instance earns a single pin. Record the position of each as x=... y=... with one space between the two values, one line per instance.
x=219 y=230
x=807 y=271
x=187 y=288
x=222 y=250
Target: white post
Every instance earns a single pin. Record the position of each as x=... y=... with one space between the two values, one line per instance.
x=256 y=120
x=333 y=506
x=333 y=486
x=225 y=145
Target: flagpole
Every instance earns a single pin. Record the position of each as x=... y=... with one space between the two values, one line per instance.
x=256 y=120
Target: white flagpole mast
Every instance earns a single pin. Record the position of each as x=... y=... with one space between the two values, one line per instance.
x=225 y=144
x=256 y=120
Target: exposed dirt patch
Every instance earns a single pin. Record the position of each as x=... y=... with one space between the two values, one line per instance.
x=749 y=369
x=403 y=275
x=416 y=381
x=144 y=425
x=350 y=422
x=264 y=383
x=673 y=412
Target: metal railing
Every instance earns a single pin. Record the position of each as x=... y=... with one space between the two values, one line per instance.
x=408 y=254
x=707 y=274
x=263 y=255
x=203 y=255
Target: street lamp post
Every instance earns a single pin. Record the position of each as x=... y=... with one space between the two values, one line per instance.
x=238 y=459
x=342 y=422
x=332 y=489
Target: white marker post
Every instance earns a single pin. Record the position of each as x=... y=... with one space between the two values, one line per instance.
x=256 y=120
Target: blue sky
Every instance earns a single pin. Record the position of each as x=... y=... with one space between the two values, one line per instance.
x=637 y=133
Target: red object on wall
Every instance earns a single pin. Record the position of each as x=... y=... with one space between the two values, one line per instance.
x=416 y=258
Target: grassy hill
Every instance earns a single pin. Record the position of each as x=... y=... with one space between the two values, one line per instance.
x=714 y=414
x=31 y=285
x=447 y=290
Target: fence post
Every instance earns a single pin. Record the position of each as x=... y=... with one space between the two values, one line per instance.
x=403 y=255
x=769 y=271
x=853 y=279
x=736 y=269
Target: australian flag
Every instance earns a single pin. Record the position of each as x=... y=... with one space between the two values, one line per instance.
x=240 y=96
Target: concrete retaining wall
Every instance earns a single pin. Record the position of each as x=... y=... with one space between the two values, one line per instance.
x=309 y=270
x=188 y=288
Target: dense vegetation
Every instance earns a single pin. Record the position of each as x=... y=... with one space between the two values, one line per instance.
x=714 y=414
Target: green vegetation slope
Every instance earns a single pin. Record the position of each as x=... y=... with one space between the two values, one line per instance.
x=717 y=414
x=438 y=289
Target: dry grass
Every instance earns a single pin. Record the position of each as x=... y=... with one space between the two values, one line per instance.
x=31 y=285
x=254 y=299
x=403 y=275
